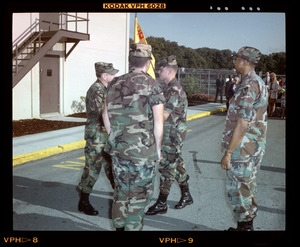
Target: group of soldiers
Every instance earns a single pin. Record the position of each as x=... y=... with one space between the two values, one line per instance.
x=136 y=124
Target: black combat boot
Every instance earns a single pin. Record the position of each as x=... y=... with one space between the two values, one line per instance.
x=243 y=226
x=120 y=229
x=85 y=206
x=186 y=198
x=160 y=207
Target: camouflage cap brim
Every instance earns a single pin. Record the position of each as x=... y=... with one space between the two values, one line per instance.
x=102 y=67
x=167 y=61
x=112 y=71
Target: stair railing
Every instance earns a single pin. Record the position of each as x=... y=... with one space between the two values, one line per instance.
x=21 y=38
x=25 y=35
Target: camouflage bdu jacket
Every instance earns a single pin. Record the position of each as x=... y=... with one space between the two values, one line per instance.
x=94 y=129
x=129 y=101
x=176 y=105
x=249 y=102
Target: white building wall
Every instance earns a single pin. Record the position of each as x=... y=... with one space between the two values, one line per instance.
x=109 y=42
x=109 y=39
x=25 y=94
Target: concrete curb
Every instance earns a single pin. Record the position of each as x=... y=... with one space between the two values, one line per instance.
x=44 y=153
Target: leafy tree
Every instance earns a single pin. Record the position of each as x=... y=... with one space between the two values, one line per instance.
x=208 y=58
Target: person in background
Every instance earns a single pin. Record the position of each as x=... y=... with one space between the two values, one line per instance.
x=233 y=86
x=273 y=91
x=227 y=88
x=219 y=88
x=279 y=79
x=283 y=102
x=267 y=78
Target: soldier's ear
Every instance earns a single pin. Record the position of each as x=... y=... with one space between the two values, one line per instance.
x=148 y=64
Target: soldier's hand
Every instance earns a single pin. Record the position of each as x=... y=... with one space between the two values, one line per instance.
x=225 y=162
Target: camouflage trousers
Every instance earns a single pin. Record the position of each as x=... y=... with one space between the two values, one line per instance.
x=241 y=187
x=172 y=166
x=95 y=158
x=134 y=185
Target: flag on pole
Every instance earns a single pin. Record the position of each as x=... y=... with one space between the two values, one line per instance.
x=140 y=38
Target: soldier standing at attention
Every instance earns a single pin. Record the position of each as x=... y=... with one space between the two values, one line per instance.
x=95 y=136
x=172 y=165
x=244 y=138
x=134 y=120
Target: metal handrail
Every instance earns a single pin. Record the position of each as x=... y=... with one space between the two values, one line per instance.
x=27 y=31
x=38 y=21
x=25 y=34
x=21 y=38
x=38 y=36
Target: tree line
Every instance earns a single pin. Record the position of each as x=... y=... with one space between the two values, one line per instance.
x=208 y=58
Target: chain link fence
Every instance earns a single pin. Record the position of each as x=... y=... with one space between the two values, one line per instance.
x=203 y=81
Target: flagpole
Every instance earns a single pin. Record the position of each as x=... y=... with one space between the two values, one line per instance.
x=135 y=29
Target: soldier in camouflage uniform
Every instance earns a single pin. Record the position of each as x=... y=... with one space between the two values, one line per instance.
x=95 y=136
x=244 y=139
x=134 y=121
x=172 y=165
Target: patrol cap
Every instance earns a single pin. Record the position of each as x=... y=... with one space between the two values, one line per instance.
x=102 y=67
x=250 y=54
x=140 y=50
x=167 y=61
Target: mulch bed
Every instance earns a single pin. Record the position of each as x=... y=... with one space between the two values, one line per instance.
x=33 y=126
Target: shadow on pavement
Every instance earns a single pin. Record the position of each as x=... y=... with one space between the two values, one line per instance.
x=57 y=209
x=173 y=224
x=53 y=196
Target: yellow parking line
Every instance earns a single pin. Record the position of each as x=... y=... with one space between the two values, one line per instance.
x=68 y=167
x=74 y=162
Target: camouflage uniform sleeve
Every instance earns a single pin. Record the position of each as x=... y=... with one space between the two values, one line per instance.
x=157 y=96
x=179 y=110
x=244 y=101
x=98 y=101
x=175 y=105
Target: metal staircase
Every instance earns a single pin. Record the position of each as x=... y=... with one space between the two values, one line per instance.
x=41 y=36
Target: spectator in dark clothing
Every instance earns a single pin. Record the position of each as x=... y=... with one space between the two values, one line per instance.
x=219 y=84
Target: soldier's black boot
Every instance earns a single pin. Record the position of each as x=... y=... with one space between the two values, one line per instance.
x=160 y=207
x=120 y=229
x=85 y=206
x=186 y=198
x=243 y=226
